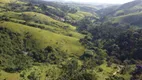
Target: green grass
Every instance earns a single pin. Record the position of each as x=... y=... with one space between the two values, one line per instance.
x=51 y=7
x=11 y=14
x=9 y=76
x=11 y=1
x=106 y=71
x=79 y=15
x=33 y=16
x=47 y=22
x=58 y=30
x=44 y=38
x=7 y=1
x=128 y=76
x=38 y=17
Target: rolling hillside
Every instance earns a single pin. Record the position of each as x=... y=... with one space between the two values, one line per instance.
x=47 y=40
x=128 y=13
x=36 y=32
x=124 y=9
x=132 y=19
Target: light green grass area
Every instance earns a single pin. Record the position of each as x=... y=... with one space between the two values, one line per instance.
x=71 y=33
x=11 y=14
x=46 y=22
x=79 y=15
x=38 y=17
x=9 y=76
x=12 y=1
x=46 y=38
x=7 y=1
x=51 y=7
x=128 y=76
x=58 y=30
x=119 y=12
x=107 y=71
x=33 y=16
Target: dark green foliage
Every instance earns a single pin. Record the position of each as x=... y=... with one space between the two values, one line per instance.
x=15 y=63
x=86 y=41
x=72 y=10
x=72 y=71
x=11 y=47
x=115 y=78
x=113 y=38
x=100 y=69
x=7 y=39
x=91 y=59
x=15 y=50
x=5 y=18
x=19 y=7
x=130 y=45
x=107 y=31
x=33 y=76
x=86 y=23
x=85 y=76
x=137 y=73
x=49 y=54
x=56 y=12
x=87 y=54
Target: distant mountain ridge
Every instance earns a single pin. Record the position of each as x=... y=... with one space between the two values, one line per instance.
x=127 y=8
x=129 y=13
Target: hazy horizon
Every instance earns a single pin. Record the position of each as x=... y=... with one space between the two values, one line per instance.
x=96 y=1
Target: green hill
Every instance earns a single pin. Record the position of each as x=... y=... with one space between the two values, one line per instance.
x=128 y=13
x=7 y=1
x=42 y=40
x=132 y=19
x=124 y=9
x=45 y=38
x=37 y=18
x=128 y=8
x=42 y=21
x=79 y=15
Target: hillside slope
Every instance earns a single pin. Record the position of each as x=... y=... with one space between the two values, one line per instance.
x=128 y=13
x=46 y=38
x=132 y=19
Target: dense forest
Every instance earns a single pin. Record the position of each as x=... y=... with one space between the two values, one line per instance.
x=49 y=40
